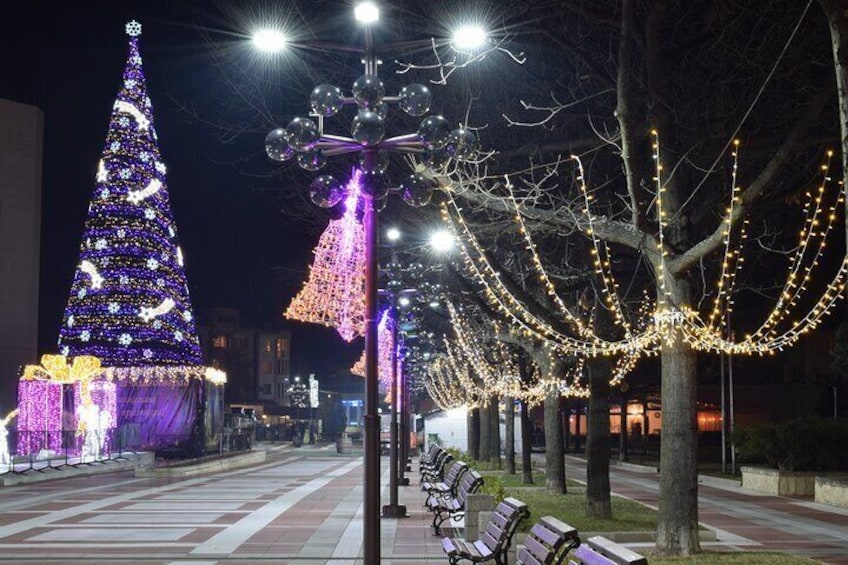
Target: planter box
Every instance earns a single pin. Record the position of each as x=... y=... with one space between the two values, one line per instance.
x=832 y=490
x=781 y=483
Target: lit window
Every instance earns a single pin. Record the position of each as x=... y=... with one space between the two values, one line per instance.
x=268 y=345
x=219 y=341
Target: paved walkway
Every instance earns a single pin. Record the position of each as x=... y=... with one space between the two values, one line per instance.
x=743 y=519
x=303 y=507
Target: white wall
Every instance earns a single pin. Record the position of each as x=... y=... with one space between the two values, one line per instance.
x=452 y=428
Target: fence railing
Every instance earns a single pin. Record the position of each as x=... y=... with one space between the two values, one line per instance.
x=38 y=451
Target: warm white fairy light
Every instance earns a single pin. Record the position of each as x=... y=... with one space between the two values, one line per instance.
x=601 y=255
x=667 y=320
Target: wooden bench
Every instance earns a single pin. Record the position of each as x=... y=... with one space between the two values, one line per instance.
x=432 y=462
x=443 y=507
x=453 y=479
x=547 y=543
x=437 y=473
x=495 y=540
x=431 y=453
x=599 y=550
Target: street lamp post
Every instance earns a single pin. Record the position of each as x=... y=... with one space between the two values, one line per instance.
x=434 y=138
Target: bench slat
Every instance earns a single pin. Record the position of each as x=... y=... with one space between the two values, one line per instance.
x=617 y=552
x=589 y=557
x=526 y=558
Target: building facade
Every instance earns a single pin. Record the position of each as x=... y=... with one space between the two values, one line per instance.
x=257 y=362
x=20 y=240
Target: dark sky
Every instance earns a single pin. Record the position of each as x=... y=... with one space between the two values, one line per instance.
x=240 y=250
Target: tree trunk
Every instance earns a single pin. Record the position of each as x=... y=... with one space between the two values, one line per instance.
x=837 y=20
x=566 y=438
x=598 y=440
x=554 y=455
x=526 y=461
x=485 y=434
x=474 y=433
x=495 y=431
x=622 y=432
x=509 y=440
x=677 y=516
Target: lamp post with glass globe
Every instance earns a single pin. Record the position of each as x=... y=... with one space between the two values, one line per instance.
x=307 y=141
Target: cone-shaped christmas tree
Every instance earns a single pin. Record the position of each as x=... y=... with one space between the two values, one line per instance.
x=334 y=293
x=129 y=303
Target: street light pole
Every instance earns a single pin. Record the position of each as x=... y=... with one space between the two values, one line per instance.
x=434 y=141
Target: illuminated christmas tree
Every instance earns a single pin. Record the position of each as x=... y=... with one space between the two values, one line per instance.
x=129 y=303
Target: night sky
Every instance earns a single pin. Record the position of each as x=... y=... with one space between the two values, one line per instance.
x=240 y=249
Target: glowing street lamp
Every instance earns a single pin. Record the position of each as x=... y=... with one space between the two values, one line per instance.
x=304 y=140
x=469 y=38
x=441 y=241
x=269 y=40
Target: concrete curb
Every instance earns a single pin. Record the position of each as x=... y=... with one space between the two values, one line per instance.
x=143 y=459
x=206 y=467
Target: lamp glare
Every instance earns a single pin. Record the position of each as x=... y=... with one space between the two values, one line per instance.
x=269 y=40
x=393 y=234
x=441 y=241
x=469 y=37
x=366 y=12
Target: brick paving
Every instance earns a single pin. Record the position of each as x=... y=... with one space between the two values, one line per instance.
x=303 y=507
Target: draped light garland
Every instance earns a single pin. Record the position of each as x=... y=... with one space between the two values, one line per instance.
x=334 y=293
x=667 y=317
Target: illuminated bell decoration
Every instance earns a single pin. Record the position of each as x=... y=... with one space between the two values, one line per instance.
x=312 y=160
x=368 y=128
x=326 y=100
x=381 y=161
x=276 y=146
x=302 y=134
x=416 y=190
x=462 y=144
x=368 y=91
x=374 y=185
x=415 y=99
x=325 y=191
x=434 y=132
x=334 y=293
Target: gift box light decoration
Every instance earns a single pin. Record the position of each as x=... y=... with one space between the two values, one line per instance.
x=334 y=292
x=129 y=303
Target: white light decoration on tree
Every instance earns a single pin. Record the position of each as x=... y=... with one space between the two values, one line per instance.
x=89 y=269
x=136 y=196
x=128 y=108
x=102 y=172
x=147 y=313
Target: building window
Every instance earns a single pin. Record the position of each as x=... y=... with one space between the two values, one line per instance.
x=268 y=345
x=280 y=347
x=219 y=341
